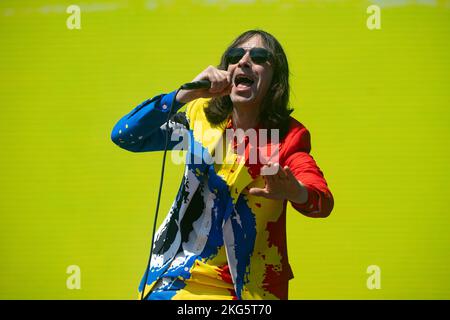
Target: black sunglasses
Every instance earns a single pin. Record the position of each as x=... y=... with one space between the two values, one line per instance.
x=257 y=55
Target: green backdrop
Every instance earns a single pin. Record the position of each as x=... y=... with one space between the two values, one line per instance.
x=375 y=101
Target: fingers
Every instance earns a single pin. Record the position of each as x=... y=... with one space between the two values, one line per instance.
x=231 y=73
x=289 y=174
x=271 y=172
x=279 y=182
x=259 y=192
x=221 y=82
x=274 y=169
x=275 y=175
x=220 y=79
x=225 y=92
x=270 y=180
x=270 y=169
x=282 y=174
x=280 y=178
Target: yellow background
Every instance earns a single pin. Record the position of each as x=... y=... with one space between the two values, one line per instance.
x=376 y=103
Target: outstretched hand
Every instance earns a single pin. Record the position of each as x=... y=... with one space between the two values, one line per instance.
x=281 y=185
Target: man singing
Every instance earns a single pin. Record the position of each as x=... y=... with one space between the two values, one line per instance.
x=225 y=235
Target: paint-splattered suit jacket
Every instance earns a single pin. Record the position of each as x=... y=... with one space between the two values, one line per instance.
x=211 y=211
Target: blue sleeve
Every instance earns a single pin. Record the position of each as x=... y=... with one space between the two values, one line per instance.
x=144 y=128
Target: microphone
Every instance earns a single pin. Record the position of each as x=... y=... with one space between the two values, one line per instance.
x=201 y=84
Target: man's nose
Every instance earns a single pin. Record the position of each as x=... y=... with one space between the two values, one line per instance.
x=245 y=60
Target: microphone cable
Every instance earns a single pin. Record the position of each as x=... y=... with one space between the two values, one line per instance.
x=187 y=86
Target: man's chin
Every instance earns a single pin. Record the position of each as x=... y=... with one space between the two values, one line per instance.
x=241 y=99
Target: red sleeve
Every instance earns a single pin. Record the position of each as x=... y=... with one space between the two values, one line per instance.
x=296 y=154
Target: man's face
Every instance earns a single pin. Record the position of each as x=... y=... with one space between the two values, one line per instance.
x=250 y=93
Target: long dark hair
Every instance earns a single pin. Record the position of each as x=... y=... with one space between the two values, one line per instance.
x=275 y=111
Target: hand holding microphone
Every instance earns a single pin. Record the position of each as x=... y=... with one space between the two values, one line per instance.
x=211 y=82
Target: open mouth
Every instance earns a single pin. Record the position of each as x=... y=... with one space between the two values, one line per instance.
x=242 y=80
